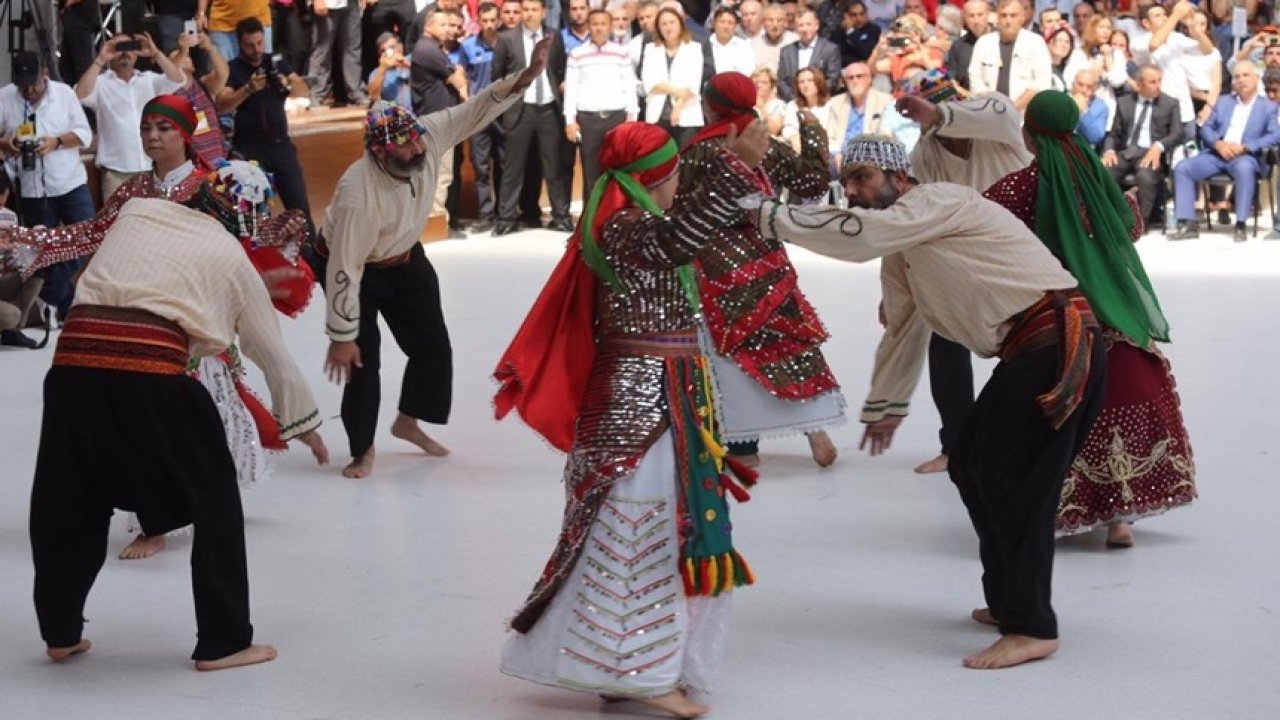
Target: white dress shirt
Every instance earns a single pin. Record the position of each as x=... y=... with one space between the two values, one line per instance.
x=734 y=56
x=1239 y=119
x=599 y=78
x=58 y=112
x=119 y=104
x=531 y=38
x=1171 y=58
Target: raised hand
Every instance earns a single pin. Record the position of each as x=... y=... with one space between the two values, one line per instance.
x=537 y=63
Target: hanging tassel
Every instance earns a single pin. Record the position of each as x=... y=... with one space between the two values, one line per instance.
x=709 y=442
x=690 y=587
x=747 y=475
x=737 y=491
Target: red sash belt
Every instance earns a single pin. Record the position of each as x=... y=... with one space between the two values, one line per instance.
x=112 y=338
x=1062 y=318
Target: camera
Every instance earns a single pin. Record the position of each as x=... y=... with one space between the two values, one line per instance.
x=129 y=46
x=899 y=42
x=275 y=82
x=28 y=150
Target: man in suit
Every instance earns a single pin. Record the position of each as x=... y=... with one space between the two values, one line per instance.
x=809 y=51
x=1146 y=127
x=537 y=119
x=1243 y=124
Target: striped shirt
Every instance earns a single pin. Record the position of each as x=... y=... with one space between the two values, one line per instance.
x=599 y=78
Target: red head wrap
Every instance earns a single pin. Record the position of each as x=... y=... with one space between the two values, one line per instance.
x=175 y=109
x=544 y=372
x=732 y=96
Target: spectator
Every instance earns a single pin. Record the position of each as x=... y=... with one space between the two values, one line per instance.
x=575 y=31
x=862 y=110
x=256 y=91
x=81 y=24
x=392 y=80
x=811 y=95
x=291 y=38
x=1108 y=62
x=511 y=15
x=1051 y=19
x=1169 y=50
x=768 y=45
x=17 y=294
x=646 y=17
x=488 y=147
x=950 y=25
x=220 y=18
x=1241 y=127
x=1065 y=60
x=42 y=128
x=751 y=15
x=809 y=50
x=857 y=36
x=976 y=24
x=533 y=122
x=335 y=29
x=672 y=79
x=395 y=17
x=170 y=16
x=831 y=18
x=771 y=109
x=438 y=84
x=1264 y=47
x=623 y=15
x=905 y=51
x=1081 y=14
x=1204 y=71
x=922 y=16
x=730 y=52
x=1146 y=128
x=1093 y=112
x=1011 y=61
x=599 y=94
x=207 y=140
x=116 y=91
x=420 y=20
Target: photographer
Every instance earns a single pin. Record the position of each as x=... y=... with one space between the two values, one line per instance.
x=391 y=81
x=17 y=295
x=42 y=128
x=256 y=92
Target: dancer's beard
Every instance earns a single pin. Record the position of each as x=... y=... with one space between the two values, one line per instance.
x=887 y=196
x=406 y=167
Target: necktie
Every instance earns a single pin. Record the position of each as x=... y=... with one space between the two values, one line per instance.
x=539 y=96
x=1142 y=120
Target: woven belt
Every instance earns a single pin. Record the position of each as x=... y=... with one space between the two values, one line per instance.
x=113 y=338
x=322 y=249
x=1061 y=318
x=683 y=344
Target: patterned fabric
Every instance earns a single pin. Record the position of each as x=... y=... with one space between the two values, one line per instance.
x=1062 y=318
x=877 y=151
x=121 y=339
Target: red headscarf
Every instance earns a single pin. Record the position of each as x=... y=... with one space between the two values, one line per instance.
x=175 y=109
x=732 y=96
x=544 y=372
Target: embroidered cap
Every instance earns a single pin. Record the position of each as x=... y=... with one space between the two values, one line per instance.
x=389 y=124
x=878 y=151
x=237 y=193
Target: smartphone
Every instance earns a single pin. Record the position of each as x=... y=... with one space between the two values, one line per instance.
x=129 y=46
x=900 y=42
x=190 y=27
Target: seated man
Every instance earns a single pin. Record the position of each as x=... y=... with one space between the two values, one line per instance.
x=1241 y=127
x=1146 y=126
x=1093 y=112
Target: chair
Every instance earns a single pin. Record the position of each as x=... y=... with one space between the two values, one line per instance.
x=1223 y=180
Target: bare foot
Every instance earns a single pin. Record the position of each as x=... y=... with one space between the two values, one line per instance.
x=406 y=428
x=60 y=654
x=361 y=467
x=1011 y=650
x=984 y=616
x=676 y=705
x=936 y=465
x=1120 y=535
x=251 y=655
x=142 y=547
x=823 y=450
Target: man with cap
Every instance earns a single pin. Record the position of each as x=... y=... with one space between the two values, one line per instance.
x=371 y=262
x=972 y=142
x=125 y=427
x=957 y=264
x=767 y=355
x=42 y=128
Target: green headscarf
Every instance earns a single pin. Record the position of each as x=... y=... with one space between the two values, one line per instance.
x=1103 y=261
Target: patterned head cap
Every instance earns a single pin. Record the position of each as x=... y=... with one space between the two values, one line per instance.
x=238 y=194
x=878 y=151
x=389 y=124
x=932 y=85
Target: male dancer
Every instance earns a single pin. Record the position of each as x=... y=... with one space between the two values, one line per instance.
x=371 y=262
x=956 y=264
x=969 y=142
x=125 y=427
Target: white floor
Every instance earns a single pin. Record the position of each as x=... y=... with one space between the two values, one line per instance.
x=387 y=597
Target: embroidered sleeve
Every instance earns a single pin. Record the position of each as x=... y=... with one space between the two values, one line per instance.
x=806 y=173
x=1016 y=192
x=69 y=242
x=901 y=353
x=349 y=248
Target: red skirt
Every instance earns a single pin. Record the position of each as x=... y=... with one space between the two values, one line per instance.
x=1137 y=460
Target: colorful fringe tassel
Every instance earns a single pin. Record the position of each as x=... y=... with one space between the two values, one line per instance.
x=716 y=574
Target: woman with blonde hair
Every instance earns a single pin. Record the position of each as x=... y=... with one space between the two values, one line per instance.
x=672 y=78
x=772 y=110
x=1109 y=61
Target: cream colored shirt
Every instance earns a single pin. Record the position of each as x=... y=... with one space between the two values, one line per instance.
x=954 y=263
x=993 y=127
x=374 y=216
x=182 y=265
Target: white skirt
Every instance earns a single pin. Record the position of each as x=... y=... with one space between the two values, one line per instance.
x=748 y=412
x=621 y=623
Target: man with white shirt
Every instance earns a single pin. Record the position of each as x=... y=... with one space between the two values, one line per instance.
x=42 y=128
x=731 y=53
x=117 y=95
x=809 y=50
x=1241 y=127
x=751 y=15
x=1168 y=49
x=768 y=45
x=599 y=94
x=1011 y=61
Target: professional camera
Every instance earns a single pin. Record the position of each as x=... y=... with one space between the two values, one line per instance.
x=275 y=81
x=28 y=149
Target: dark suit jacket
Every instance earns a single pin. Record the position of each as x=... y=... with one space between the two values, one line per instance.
x=1166 y=125
x=826 y=57
x=855 y=45
x=509 y=58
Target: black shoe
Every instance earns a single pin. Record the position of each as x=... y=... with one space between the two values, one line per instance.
x=1186 y=231
x=1224 y=217
x=14 y=338
x=561 y=225
x=481 y=226
x=503 y=228
x=1240 y=235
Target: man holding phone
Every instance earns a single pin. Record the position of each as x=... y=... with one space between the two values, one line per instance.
x=116 y=90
